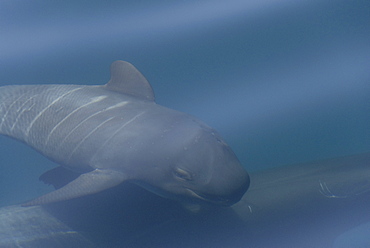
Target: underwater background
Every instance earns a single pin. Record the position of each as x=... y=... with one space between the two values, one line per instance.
x=283 y=82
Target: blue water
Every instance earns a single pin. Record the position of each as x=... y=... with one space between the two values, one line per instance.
x=283 y=81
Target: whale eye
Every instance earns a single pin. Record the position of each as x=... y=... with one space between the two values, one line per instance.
x=182 y=174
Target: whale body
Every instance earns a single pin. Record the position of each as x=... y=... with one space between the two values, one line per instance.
x=112 y=133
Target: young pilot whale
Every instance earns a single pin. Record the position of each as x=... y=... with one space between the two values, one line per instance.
x=115 y=133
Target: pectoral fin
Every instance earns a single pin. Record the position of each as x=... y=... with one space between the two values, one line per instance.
x=86 y=184
x=59 y=177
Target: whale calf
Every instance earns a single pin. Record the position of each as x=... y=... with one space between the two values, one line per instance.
x=112 y=133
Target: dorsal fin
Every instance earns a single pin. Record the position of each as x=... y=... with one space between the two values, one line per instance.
x=126 y=79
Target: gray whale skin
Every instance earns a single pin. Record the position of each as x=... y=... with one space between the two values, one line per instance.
x=114 y=133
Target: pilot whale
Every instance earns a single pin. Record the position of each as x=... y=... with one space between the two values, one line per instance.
x=112 y=133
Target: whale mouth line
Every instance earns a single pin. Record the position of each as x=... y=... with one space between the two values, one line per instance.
x=219 y=200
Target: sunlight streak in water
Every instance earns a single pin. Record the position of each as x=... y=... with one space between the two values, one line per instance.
x=328 y=80
x=140 y=25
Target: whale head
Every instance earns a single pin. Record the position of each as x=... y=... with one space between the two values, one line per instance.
x=192 y=163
